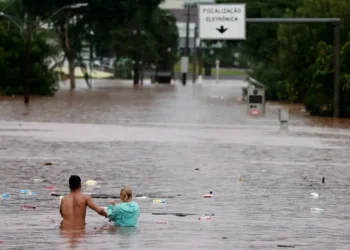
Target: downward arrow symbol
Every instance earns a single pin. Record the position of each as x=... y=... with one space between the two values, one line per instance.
x=221 y=29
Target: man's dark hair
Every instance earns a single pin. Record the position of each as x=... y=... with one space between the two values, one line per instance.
x=74 y=182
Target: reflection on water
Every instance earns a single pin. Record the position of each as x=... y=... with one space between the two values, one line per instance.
x=72 y=236
x=153 y=139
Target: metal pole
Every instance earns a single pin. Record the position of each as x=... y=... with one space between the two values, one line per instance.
x=28 y=64
x=194 y=59
x=184 y=75
x=217 y=62
x=200 y=64
x=336 y=87
x=91 y=58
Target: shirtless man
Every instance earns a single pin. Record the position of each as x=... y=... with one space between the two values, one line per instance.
x=73 y=206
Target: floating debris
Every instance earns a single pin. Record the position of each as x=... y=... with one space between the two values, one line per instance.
x=175 y=214
x=316 y=210
x=27 y=192
x=196 y=169
x=29 y=207
x=205 y=218
x=291 y=246
x=210 y=195
x=5 y=196
x=323 y=180
x=142 y=197
x=159 y=201
x=162 y=222
x=48 y=164
x=91 y=183
x=314 y=195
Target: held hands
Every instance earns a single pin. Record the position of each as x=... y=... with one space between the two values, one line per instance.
x=103 y=213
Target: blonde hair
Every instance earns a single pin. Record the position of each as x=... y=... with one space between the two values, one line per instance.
x=125 y=194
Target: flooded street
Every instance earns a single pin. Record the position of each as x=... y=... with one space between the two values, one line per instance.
x=152 y=139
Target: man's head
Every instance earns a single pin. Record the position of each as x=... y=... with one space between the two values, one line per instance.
x=74 y=182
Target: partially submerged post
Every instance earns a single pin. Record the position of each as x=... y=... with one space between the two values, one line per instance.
x=217 y=64
x=256 y=97
x=283 y=117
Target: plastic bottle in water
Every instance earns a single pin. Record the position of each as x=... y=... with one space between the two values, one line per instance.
x=158 y=201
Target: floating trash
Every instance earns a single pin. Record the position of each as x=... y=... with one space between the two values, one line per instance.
x=314 y=195
x=158 y=201
x=316 y=210
x=141 y=197
x=204 y=218
x=323 y=180
x=91 y=183
x=209 y=214
x=27 y=192
x=162 y=222
x=196 y=169
x=29 y=207
x=1 y=242
x=290 y=246
x=5 y=196
x=224 y=238
x=38 y=180
x=240 y=179
x=48 y=164
x=50 y=187
x=210 y=195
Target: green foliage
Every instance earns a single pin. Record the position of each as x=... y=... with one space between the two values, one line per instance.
x=295 y=61
x=12 y=65
x=306 y=56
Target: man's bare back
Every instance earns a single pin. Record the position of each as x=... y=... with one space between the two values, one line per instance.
x=73 y=206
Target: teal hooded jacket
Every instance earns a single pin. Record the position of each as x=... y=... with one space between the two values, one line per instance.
x=125 y=214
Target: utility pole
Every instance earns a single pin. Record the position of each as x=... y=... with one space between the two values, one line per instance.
x=28 y=64
x=200 y=61
x=336 y=87
x=194 y=59
x=184 y=75
x=91 y=48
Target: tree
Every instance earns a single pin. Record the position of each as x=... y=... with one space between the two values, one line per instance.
x=12 y=54
x=261 y=48
x=69 y=25
x=164 y=32
x=306 y=57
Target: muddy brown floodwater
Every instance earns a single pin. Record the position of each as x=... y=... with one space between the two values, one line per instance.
x=153 y=139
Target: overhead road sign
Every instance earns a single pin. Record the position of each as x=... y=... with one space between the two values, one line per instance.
x=222 y=21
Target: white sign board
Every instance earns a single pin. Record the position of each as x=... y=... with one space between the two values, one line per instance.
x=184 y=64
x=222 y=21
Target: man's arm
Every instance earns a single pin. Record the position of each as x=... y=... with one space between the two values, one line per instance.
x=94 y=207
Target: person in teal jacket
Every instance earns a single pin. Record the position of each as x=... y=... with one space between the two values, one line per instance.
x=125 y=214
